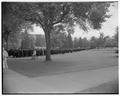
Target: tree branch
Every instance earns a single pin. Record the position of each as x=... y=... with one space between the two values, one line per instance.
x=60 y=20
x=65 y=12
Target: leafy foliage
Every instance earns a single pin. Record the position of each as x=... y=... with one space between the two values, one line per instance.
x=27 y=41
x=48 y=14
x=63 y=12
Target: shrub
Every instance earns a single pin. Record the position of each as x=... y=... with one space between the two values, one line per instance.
x=27 y=53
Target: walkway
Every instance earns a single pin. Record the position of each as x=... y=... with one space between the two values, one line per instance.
x=60 y=83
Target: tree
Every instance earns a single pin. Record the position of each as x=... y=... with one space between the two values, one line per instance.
x=80 y=42
x=9 y=23
x=76 y=43
x=69 y=41
x=27 y=41
x=109 y=42
x=93 y=42
x=14 y=41
x=85 y=43
x=101 y=40
x=40 y=41
x=47 y=15
x=116 y=37
x=58 y=37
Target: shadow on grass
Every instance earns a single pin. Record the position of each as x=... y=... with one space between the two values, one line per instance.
x=111 y=87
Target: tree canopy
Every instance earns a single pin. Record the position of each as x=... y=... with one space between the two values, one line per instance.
x=49 y=14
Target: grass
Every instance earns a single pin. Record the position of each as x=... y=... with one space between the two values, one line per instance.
x=64 y=63
x=68 y=63
x=111 y=87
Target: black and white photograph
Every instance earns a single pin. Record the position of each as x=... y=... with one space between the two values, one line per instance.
x=59 y=47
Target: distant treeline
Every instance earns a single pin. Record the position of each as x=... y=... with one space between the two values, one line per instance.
x=40 y=52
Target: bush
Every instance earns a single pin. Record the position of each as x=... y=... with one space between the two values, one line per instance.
x=27 y=53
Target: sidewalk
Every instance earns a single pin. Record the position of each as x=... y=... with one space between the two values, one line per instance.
x=63 y=83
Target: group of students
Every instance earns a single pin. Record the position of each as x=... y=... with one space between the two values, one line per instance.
x=5 y=58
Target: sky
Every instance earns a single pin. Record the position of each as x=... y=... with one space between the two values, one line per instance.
x=108 y=27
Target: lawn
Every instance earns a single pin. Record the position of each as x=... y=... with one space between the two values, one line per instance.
x=111 y=87
x=65 y=63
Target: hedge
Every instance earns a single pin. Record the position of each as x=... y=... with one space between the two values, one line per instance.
x=27 y=53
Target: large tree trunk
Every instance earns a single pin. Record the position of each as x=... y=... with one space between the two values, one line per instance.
x=48 y=44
